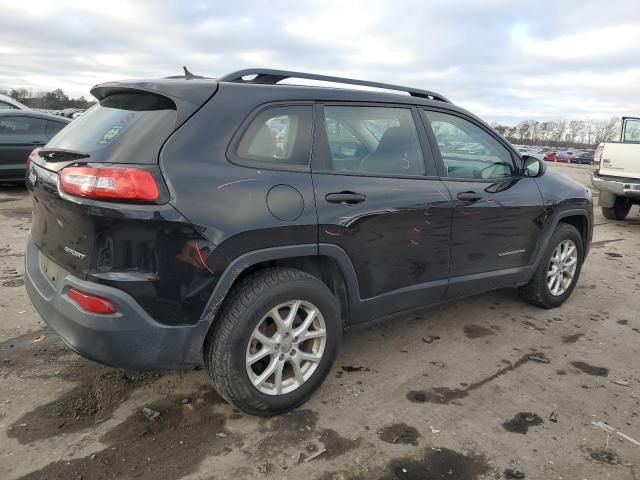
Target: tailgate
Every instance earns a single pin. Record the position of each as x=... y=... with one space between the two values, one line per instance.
x=62 y=230
x=620 y=160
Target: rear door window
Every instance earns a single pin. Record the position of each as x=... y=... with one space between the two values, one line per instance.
x=122 y=128
x=373 y=140
x=277 y=137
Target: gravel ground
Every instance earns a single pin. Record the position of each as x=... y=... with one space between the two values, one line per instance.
x=464 y=391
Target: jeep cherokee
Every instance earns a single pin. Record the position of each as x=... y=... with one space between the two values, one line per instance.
x=253 y=221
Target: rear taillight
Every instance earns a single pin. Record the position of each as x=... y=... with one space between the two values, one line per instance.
x=597 y=156
x=109 y=182
x=91 y=303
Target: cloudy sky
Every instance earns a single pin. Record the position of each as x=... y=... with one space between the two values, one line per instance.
x=505 y=60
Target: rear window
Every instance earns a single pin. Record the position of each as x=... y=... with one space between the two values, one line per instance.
x=122 y=128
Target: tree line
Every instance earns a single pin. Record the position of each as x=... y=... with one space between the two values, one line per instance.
x=562 y=133
x=53 y=100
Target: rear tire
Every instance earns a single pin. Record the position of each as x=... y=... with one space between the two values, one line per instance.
x=539 y=289
x=246 y=328
x=620 y=210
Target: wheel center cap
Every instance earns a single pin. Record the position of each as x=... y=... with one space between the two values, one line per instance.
x=286 y=345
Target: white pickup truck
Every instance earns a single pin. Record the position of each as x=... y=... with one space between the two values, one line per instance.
x=617 y=174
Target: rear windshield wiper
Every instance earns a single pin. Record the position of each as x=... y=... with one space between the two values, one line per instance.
x=61 y=154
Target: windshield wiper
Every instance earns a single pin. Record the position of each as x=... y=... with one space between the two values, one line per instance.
x=61 y=154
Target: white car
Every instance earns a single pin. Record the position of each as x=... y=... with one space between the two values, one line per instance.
x=8 y=103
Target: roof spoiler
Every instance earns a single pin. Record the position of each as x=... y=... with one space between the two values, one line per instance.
x=187 y=96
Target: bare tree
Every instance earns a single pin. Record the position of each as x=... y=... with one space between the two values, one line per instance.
x=604 y=130
x=559 y=129
x=574 y=130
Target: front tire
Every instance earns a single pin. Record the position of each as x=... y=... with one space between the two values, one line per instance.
x=274 y=341
x=558 y=271
x=619 y=211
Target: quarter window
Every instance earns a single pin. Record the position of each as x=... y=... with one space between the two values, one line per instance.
x=278 y=136
x=467 y=150
x=373 y=140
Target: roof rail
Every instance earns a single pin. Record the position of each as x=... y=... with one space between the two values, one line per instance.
x=272 y=77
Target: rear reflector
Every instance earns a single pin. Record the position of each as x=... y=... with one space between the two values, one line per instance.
x=91 y=303
x=109 y=182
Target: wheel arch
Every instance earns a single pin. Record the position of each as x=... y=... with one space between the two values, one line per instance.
x=578 y=218
x=328 y=263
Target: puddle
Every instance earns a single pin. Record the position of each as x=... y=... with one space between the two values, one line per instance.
x=521 y=422
x=399 y=433
x=477 y=331
x=170 y=447
x=296 y=432
x=436 y=464
x=100 y=391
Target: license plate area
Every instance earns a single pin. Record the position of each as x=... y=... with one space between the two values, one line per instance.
x=51 y=270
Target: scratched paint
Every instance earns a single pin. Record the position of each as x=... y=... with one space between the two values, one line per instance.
x=234 y=182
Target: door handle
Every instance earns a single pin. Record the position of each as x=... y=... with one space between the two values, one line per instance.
x=350 y=198
x=469 y=196
x=37 y=142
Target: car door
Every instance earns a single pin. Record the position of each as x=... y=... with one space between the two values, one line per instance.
x=379 y=201
x=496 y=220
x=19 y=135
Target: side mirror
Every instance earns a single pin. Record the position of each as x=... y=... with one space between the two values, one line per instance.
x=533 y=167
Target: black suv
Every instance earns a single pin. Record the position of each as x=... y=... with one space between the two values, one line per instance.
x=255 y=221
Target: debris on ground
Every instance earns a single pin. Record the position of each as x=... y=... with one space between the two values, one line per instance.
x=430 y=339
x=609 y=429
x=622 y=383
x=512 y=473
x=605 y=456
x=538 y=357
x=315 y=455
x=150 y=414
x=554 y=417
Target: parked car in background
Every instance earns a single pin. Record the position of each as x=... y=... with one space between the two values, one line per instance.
x=167 y=221
x=563 y=156
x=8 y=103
x=550 y=156
x=584 y=158
x=20 y=132
x=617 y=174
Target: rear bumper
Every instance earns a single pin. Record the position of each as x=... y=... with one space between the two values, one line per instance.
x=622 y=187
x=129 y=338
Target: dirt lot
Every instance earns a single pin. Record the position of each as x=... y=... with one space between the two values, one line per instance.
x=463 y=391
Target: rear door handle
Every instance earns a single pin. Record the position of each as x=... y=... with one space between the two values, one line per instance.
x=350 y=198
x=469 y=196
